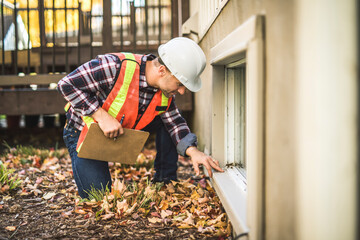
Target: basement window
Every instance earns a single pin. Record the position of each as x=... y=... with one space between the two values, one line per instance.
x=238 y=125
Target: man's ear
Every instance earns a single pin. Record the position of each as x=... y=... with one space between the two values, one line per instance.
x=162 y=70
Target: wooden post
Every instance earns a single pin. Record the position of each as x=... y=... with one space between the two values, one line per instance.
x=42 y=33
x=107 y=29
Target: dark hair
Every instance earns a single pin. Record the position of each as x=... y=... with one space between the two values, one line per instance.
x=162 y=63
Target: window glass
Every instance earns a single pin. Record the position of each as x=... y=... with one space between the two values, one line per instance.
x=236 y=114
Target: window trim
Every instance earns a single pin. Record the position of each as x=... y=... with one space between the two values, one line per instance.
x=247 y=39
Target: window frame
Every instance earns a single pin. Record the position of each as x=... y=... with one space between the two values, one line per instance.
x=244 y=200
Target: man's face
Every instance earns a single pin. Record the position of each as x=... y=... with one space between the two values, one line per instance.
x=170 y=86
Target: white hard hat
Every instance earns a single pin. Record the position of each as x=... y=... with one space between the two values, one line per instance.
x=185 y=60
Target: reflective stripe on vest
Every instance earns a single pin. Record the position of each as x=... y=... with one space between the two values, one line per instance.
x=164 y=102
x=120 y=98
x=67 y=106
x=88 y=121
x=124 y=98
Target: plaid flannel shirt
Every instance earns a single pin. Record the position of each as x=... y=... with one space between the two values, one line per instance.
x=87 y=87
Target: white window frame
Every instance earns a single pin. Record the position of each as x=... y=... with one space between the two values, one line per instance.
x=242 y=197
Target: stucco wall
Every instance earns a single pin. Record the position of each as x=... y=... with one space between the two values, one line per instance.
x=310 y=116
x=280 y=100
x=280 y=153
x=233 y=14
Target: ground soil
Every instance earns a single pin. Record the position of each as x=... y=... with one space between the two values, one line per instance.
x=37 y=218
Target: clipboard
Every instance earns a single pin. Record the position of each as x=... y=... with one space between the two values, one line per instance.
x=125 y=149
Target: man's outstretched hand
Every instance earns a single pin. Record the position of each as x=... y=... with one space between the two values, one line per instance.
x=200 y=158
x=109 y=125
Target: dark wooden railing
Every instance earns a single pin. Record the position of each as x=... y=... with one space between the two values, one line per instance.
x=121 y=25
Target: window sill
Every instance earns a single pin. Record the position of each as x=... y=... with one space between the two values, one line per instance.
x=232 y=190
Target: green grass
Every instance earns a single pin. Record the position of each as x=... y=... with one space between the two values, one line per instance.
x=8 y=180
x=25 y=151
x=97 y=194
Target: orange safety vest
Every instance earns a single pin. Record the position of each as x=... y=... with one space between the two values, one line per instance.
x=124 y=98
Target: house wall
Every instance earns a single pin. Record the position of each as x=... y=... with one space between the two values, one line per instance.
x=289 y=210
x=233 y=14
x=327 y=119
x=280 y=155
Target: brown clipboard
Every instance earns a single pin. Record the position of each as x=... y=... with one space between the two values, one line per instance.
x=124 y=149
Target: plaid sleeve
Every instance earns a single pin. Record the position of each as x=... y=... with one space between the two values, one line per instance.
x=178 y=129
x=82 y=86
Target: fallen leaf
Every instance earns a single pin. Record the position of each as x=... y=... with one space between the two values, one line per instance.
x=164 y=205
x=203 y=200
x=10 y=228
x=206 y=230
x=155 y=220
x=185 y=226
x=170 y=188
x=107 y=216
x=189 y=220
x=119 y=187
x=220 y=224
x=128 y=194
x=80 y=211
x=105 y=205
x=218 y=219
x=195 y=195
x=155 y=214
x=39 y=180
x=66 y=214
x=148 y=191
x=228 y=229
x=165 y=213
x=162 y=194
x=107 y=227
x=122 y=206
x=129 y=211
x=60 y=177
x=202 y=183
x=48 y=162
x=48 y=195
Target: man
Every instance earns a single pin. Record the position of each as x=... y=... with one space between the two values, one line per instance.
x=142 y=89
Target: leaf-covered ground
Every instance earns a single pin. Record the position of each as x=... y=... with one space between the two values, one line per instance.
x=47 y=206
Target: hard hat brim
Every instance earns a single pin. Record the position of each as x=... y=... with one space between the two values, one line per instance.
x=195 y=87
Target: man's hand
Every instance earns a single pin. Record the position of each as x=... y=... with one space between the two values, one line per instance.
x=199 y=158
x=109 y=125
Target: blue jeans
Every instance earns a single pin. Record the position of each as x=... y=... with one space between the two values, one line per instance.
x=92 y=173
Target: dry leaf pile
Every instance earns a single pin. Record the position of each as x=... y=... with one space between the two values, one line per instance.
x=134 y=209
